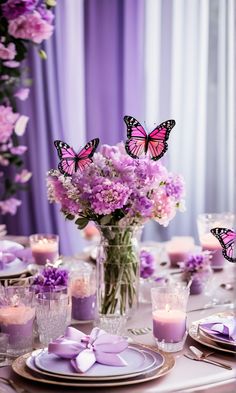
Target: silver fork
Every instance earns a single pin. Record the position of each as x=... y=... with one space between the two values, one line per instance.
x=200 y=356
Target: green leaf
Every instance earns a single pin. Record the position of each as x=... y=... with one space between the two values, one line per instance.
x=82 y=222
x=42 y=54
x=51 y=3
x=106 y=219
x=70 y=217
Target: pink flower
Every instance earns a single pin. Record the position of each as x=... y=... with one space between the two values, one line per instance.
x=7 y=122
x=11 y=64
x=21 y=125
x=23 y=176
x=19 y=150
x=9 y=206
x=7 y=52
x=22 y=93
x=30 y=27
x=4 y=161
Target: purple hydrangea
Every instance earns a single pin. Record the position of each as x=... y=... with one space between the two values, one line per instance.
x=174 y=186
x=50 y=278
x=196 y=262
x=147 y=264
x=14 y=8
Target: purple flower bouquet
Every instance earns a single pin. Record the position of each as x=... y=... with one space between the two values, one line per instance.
x=120 y=194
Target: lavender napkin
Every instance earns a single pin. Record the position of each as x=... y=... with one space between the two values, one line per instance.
x=84 y=350
x=225 y=329
x=10 y=254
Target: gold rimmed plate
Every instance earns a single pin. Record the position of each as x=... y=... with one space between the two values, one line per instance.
x=203 y=339
x=19 y=366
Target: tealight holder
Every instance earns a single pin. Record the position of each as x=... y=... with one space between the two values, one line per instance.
x=207 y=221
x=83 y=293
x=44 y=248
x=169 y=304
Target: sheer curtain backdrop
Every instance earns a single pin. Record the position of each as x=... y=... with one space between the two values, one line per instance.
x=155 y=60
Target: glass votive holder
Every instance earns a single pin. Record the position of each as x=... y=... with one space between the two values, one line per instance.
x=44 y=247
x=17 y=314
x=169 y=316
x=83 y=293
x=4 y=340
x=207 y=221
x=178 y=249
x=112 y=323
x=51 y=314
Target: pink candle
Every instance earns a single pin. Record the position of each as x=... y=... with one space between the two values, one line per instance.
x=210 y=243
x=178 y=249
x=169 y=325
x=44 y=250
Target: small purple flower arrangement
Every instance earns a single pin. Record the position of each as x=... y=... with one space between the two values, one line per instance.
x=50 y=279
x=147 y=264
x=197 y=269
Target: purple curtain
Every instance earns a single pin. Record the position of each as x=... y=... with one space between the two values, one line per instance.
x=113 y=79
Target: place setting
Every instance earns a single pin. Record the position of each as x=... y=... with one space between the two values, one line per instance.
x=96 y=360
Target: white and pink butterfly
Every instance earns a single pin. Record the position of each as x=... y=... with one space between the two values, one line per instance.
x=139 y=143
x=227 y=239
x=70 y=161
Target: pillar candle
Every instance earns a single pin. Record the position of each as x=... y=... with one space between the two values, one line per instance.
x=169 y=325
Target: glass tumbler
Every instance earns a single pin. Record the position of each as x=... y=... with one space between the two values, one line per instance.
x=51 y=315
x=17 y=314
x=169 y=304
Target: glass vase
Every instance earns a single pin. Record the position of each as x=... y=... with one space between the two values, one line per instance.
x=118 y=270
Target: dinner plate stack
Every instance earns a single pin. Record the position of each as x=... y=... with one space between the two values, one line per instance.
x=143 y=364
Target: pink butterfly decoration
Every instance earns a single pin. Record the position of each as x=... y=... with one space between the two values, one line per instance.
x=70 y=161
x=227 y=239
x=139 y=143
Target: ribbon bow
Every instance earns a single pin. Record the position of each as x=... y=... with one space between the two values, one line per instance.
x=8 y=255
x=84 y=351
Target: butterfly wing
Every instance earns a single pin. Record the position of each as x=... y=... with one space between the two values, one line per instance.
x=85 y=155
x=137 y=137
x=70 y=161
x=157 y=145
x=227 y=238
x=68 y=164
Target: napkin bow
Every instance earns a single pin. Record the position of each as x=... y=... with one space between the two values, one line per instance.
x=8 y=255
x=85 y=350
x=226 y=329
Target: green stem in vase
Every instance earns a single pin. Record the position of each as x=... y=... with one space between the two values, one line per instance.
x=120 y=267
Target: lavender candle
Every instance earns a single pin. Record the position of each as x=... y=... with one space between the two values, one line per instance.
x=178 y=249
x=169 y=316
x=44 y=248
x=169 y=325
x=83 y=295
x=210 y=243
x=18 y=323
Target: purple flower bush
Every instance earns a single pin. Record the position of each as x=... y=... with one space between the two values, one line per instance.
x=117 y=190
x=196 y=263
x=23 y=23
x=50 y=278
x=118 y=194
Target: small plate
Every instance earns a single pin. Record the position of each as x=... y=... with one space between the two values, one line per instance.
x=135 y=358
x=153 y=361
x=197 y=336
x=20 y=368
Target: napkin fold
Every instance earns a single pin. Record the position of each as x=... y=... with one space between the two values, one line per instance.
x=84 y=350
x=225 y=329
x=8 y=255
